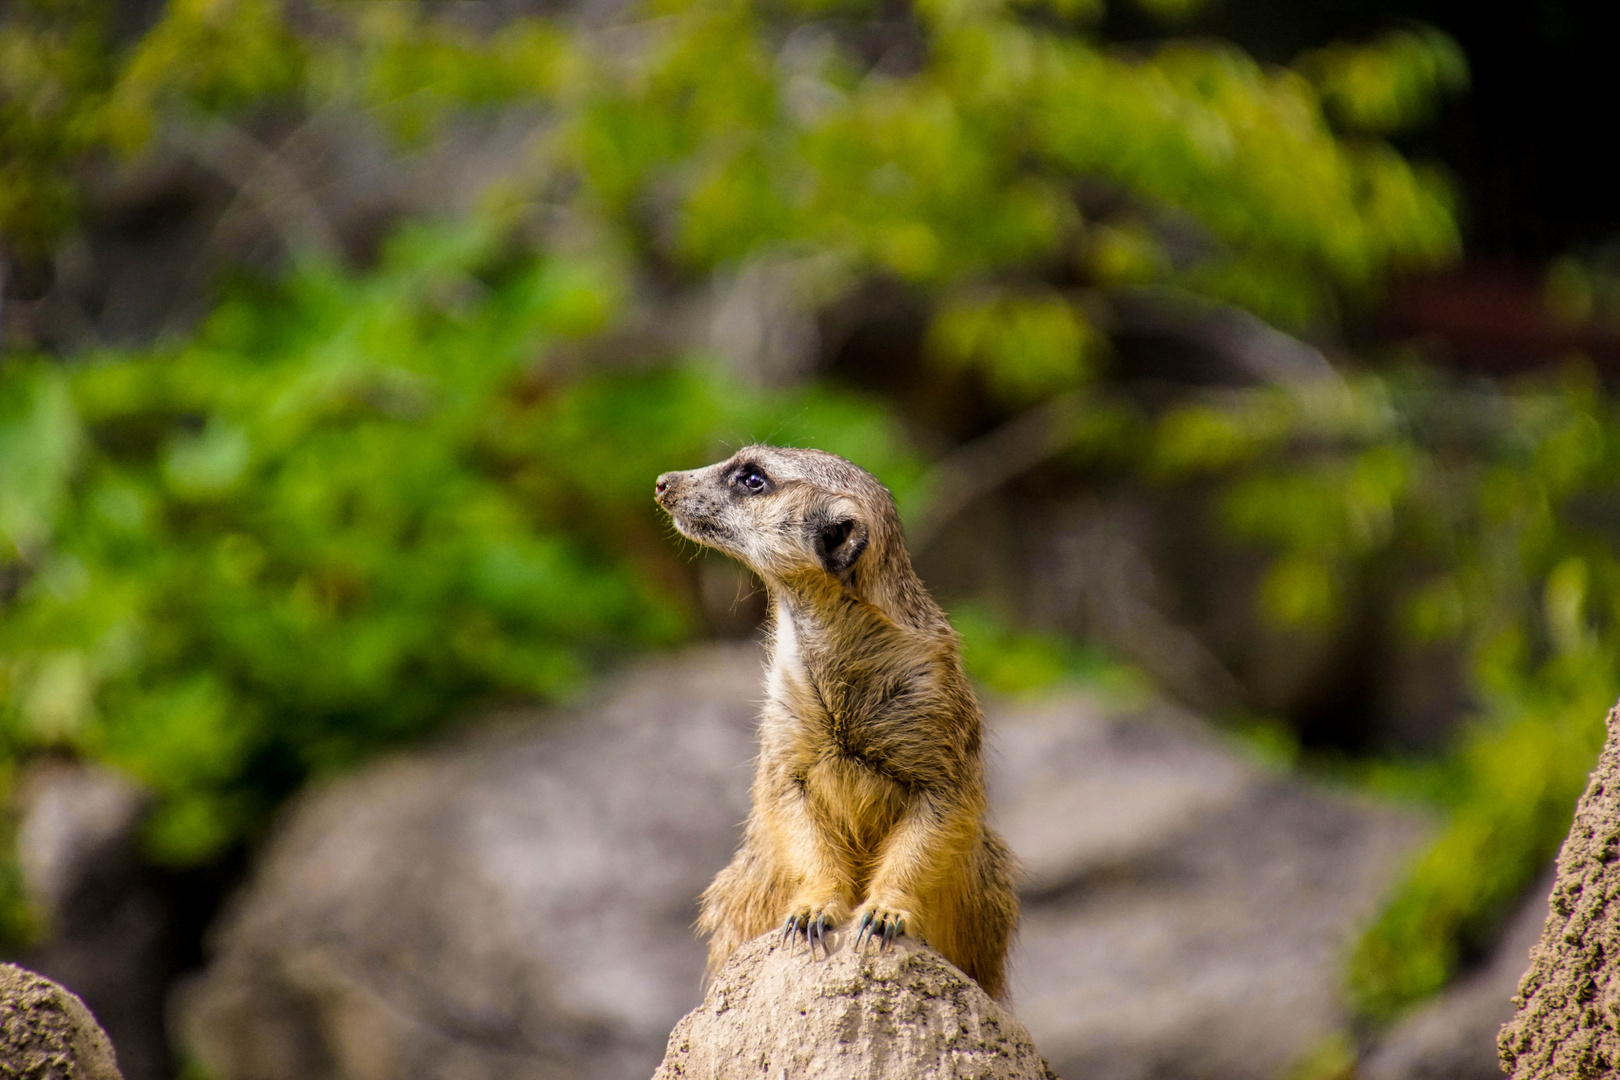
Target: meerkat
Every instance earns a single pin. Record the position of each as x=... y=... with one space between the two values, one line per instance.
x=868 y=792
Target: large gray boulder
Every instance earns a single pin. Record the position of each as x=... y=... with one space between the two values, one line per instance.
x=519 y=902
x=1187 y=909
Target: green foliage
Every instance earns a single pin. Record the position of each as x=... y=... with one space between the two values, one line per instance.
x=353 y=503
x=53 y=80
x=1388 y=84
x=1014 y=662
x=1332 y=1058
x=346 y=508
x=1519 y=778
x=67 y=91
x=963 y=169
x=203 y=56
x=17 y=918
x=952 y=175
x=1584 y=291
x=1024 y=349
x=39 y=442
x=1499 y=505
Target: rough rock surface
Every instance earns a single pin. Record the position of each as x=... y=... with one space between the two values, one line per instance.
x=1568 y=1018
x=520 y=903
x=46 y=1033
x=1453 y=1037
x=900 y=1014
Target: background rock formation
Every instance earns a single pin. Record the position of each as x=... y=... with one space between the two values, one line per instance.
x=891 y=1015
x=519 y=902
x=1568 y=1020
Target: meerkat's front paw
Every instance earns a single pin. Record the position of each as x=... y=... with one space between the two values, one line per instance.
x=813 y=924
x=881 y=924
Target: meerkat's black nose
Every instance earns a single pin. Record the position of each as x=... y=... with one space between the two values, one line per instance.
x=662 y=485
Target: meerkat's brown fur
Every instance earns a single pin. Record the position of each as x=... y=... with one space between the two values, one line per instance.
x=868 y=796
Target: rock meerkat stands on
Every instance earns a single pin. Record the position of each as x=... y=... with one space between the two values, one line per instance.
x=893 y=1014
x=868 y=796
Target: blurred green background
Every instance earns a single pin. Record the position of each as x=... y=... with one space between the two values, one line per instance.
x=342 y=341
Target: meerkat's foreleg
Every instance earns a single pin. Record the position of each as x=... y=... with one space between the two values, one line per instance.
x=924 y=849
x=822 y=869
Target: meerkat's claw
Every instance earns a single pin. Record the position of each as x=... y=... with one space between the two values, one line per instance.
x=881 y=927
x=808 y=927
x=813 y=927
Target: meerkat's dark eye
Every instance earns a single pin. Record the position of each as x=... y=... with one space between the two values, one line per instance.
x=752 y=479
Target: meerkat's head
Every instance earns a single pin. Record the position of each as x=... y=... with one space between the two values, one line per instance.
x=790 y=515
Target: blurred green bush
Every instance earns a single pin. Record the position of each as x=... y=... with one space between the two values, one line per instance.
x=1498 y=506
x=354 y=502
x=348 y=506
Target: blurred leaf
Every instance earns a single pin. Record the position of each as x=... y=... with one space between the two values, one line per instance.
x=1390 y=83
x=39 y=444
x=1025 y=347
x=1300 y=591
x=1008 y=661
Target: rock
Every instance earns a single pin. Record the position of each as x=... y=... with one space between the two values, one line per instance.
x=1188 y=910
x=519 y=902
x=107 y=919
x=1077 y=787
x=892 y=1015
x=1453 y=1037
x=76 y=833
x=46 y=1033
x=1567 y=1022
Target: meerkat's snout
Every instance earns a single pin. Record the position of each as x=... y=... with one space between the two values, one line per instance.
x=662 y=488
x=700 y=506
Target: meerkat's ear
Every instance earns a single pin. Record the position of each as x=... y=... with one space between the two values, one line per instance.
x=838 y=540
